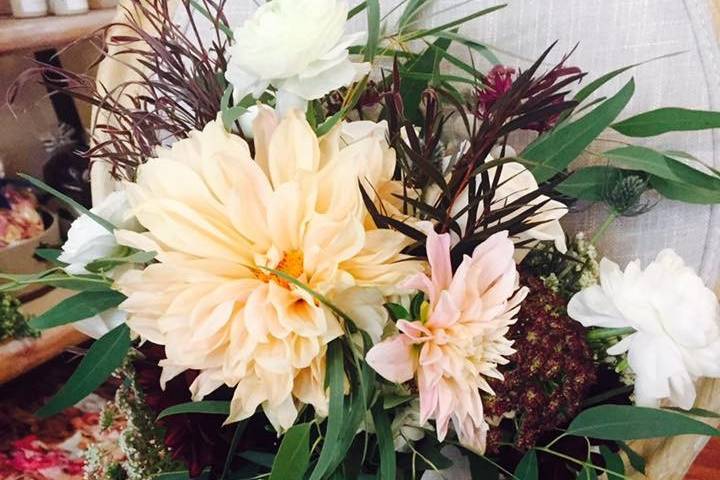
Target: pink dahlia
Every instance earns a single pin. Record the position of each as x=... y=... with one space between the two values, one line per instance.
x=460 y=338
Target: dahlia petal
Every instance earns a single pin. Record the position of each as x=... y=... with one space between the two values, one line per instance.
x=393 y=359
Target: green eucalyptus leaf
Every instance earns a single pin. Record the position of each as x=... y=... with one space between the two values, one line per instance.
x=664 y=120
x=589 y=183
x=696 y=412
x=554 y=151
x=102 y=359
x=79 y=307
x=613 y=462
x=293 y=456
x=625 y=422
x=108 y=263
x=213 y=407
x=527 y=469
x=636 y=461
x=50 y=255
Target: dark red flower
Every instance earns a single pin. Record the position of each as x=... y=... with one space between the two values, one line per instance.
x=549 y=375
x=544 y=91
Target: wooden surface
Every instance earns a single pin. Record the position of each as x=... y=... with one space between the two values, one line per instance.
x=44 y=32
x=20 y=356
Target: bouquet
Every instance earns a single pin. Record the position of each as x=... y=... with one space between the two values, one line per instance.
x=334 y=255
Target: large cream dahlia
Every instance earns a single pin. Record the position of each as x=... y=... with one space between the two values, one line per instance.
x=217 y=217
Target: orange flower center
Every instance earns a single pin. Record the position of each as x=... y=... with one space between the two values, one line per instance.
x=291 y=264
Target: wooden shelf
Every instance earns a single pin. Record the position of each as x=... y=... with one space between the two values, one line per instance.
x=17 y=34
x=20 y=356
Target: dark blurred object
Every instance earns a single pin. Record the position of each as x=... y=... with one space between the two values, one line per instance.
x=66 y=170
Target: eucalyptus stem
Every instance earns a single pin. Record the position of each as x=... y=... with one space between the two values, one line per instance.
x=601 y=231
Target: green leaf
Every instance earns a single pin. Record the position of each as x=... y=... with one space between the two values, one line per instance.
x=411 y=89
x=415 y=306
x=664 y=120
x=392 y=401
x=625 y=422
x=587 y=473
x=412 y=9
x=397 y=311
x=103 y=358
x=263 y=459
x=356 y=10
x=213 y=407
x=556 y=150
x=79 y=307
x=481 y=467
x=108 y=263
x=50 y=255
x=588 y=183
x=660 y=165
x=336 y=412
x=386 y=447
x=220 y=25
x=231 y=113
x=480 y=48
x=293 y=457
x=696 y=412
x=373 y=14
x=450 y=25
x=68 y=201
x=636 y=461
x=613 y=462
x=527 y=469
x=684 y=192
x=355 y=93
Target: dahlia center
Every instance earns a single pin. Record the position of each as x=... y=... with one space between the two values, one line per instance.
x=290 y=264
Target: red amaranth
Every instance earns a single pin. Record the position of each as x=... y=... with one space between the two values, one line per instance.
x=550 y=373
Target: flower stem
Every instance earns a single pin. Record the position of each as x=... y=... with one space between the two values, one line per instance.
x=605 y=333
x=601 y=231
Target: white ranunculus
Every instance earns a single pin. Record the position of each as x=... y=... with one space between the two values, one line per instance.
x=88 y=241
x=676 y=320
x=297 y=46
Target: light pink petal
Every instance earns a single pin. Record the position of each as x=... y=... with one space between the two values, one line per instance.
x=438 y=252
x=415 y=330
x=394 y=359
x=445 y=313
x=428 y=397
x=423 y=283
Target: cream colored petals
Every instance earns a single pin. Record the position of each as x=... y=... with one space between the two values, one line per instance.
x=220 y=220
